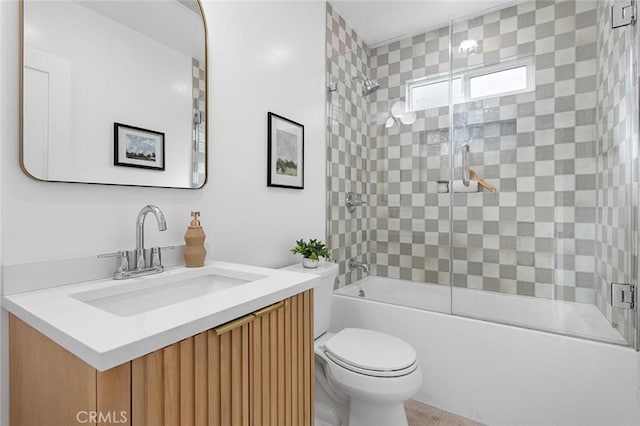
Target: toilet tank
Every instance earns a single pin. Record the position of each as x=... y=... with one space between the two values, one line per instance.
x=321 y=293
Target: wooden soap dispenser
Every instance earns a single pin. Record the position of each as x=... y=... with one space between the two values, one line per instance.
x=194 y=251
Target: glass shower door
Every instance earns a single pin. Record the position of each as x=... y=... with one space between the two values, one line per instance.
x=543 y=227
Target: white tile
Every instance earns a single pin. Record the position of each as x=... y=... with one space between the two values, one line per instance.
x=565 y=56
x=544 y=199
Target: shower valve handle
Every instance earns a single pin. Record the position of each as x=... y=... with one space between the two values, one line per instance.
x=466 y=167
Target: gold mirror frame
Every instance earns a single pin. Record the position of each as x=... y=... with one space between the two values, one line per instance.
x=206 y=115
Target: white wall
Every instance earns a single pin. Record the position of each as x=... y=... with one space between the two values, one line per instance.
x=264 y=57
x=279 y=71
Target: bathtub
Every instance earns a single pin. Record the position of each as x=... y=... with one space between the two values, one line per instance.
x=556 y=316
x=495 y=373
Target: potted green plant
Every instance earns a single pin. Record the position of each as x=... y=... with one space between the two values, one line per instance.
x=311 y=252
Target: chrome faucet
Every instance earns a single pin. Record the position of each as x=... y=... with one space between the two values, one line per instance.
x=359 y=265
x=162 y=226
x=141 y=261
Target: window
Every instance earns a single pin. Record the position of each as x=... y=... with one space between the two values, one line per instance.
x=498 y=83
x=434 y=94
x=474 y=84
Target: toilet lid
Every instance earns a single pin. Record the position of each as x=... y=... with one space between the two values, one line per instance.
x=370 y=351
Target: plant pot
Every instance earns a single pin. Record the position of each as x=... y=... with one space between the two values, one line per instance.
x=310 y=263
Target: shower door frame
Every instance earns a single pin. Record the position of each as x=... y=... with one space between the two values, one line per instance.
x=633 y=185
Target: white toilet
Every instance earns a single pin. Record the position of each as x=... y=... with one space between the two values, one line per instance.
x=363 y=377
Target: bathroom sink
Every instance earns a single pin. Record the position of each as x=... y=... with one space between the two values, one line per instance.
x=137 y=296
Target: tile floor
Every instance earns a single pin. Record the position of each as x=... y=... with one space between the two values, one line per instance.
x=420 y=414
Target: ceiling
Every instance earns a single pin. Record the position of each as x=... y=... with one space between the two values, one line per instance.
x=380 y=22
x=177 y=24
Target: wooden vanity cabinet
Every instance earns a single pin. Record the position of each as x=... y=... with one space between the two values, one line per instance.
x=256 y=370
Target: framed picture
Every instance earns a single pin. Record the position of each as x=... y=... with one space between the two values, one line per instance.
x=285 y=167
x=137 y=147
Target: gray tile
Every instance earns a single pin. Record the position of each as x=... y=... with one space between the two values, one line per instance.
x=565 y=103
x=564 y=167
x=508 y=12
x=526 y=109
x=585 y=19
x=526 y=288
x=508 y=128
x=564 y=230
x=525 y=199
x=490 y=256
x=585 y=280
x=508 y=242
x=544 y=275
x=544 y=61
x=565 y=72
x=490 y=227
x=585 y=215
x=545 y=245
x=544 y=30
x=565 y=40
x=474 y=268
x=526 y=20
x=491 y=29
x=564 y=9
x=491 y=284
x=507 y=272
x=544 y=153
x=544 y=214
x=585 y=149
x=544 y=122
x=586 y=52
x=565 y=198
x=508 y=39
x=565 y=135
x=585 y=182
x=526 y=259
x=525 y=228
x=585 y=116
x=585 y=84
x=585 y=247
x=525 y=139
x=565 y=293
x=565 y=262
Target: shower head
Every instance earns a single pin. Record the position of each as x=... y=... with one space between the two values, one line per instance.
x=369 y=86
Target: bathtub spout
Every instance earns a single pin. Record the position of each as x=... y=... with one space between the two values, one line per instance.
x=359 y=265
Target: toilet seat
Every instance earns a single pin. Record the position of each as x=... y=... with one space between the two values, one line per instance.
x=370 y=353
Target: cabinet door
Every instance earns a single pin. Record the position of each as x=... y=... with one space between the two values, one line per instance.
x=203 y=380
x=48 y=384
x=51 y=386
x=281 y=366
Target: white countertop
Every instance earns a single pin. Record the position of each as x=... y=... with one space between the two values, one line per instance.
x=105 y=340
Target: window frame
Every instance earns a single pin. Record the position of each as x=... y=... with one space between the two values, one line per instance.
x=471 y=73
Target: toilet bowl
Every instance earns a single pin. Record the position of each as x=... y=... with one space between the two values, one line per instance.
x=363 y=376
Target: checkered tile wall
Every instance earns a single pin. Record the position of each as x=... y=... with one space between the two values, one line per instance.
x=536 y=235
x=199 y=107
x=347 y=150
x=617 y=162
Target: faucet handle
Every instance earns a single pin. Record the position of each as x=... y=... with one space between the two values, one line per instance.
x=122 y=263
x=354 y=200
x=156 y=257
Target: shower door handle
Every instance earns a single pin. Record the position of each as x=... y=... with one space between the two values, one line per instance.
x=466 y=167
